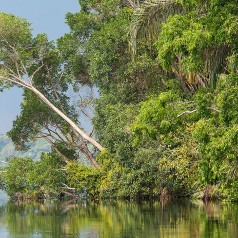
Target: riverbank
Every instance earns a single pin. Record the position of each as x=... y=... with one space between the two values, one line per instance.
x=50 y=178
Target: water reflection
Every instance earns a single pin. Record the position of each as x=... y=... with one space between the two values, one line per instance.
x=119 y=220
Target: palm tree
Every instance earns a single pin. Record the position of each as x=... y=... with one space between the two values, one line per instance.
x=147 y=24
x=147 y=19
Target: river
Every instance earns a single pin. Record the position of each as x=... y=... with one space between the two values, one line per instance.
x=167 y=219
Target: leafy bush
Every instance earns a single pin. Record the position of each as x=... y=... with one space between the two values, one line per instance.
x=85 y=180
x=25 y=178
x=17 y=177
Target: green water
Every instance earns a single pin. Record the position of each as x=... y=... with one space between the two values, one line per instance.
x=119 y=219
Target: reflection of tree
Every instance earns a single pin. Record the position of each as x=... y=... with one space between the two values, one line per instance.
x=121 y=219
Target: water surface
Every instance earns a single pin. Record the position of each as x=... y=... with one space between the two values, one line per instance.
x=119 y=219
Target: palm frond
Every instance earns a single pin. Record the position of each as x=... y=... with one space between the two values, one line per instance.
x=133 y=3
x=215 y=62
x=148 y=18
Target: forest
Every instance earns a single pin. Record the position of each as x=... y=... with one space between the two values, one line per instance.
x=165 y=114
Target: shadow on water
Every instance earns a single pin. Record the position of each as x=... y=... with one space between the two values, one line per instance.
x=119 y=219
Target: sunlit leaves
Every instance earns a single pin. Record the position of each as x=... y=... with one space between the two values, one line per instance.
x=182 y=38
x=156 y=116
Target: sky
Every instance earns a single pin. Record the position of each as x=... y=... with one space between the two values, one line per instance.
x=46 y=16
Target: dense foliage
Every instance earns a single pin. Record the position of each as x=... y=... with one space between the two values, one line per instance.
x=167 y=110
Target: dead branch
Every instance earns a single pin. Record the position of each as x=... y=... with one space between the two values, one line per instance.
x=66 y=186
x=186 y=112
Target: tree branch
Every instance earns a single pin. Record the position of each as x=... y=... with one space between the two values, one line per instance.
x=215 y=109
x=186 y=112
x=22 y=84
x=66 y=186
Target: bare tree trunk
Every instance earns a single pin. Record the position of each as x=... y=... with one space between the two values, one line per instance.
x=57 y=151
x=89 y=155
x=66 y=118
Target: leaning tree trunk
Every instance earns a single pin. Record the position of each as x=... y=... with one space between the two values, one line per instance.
x=71 y=123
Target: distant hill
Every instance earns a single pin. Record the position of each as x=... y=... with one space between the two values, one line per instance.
x=7 y=149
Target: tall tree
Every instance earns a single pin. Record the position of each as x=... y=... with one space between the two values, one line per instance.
x=33 y=64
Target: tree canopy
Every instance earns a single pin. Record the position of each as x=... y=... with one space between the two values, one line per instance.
x=37 y=65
